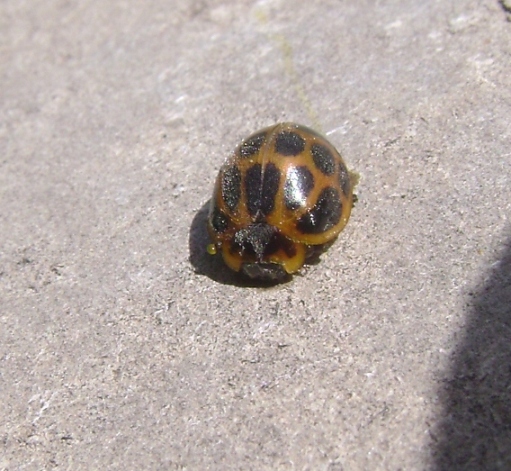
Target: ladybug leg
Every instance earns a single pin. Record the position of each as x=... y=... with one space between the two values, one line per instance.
x=315 y=251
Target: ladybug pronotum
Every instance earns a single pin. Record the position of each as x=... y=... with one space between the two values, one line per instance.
x=279 y=201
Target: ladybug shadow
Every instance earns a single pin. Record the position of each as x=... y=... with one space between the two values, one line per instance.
x=213 y=266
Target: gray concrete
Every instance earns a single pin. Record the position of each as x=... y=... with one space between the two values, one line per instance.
x=123 y=346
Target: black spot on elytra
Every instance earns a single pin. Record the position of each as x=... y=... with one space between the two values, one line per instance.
x=325 y=214
x=231 y=186
x=344 y=179
x=299 y=183
x=323 y=159
x=253 y=188
x=270 y=187
x=289 y=143
x=261 y=189
x=219 y=221
x=252 y=145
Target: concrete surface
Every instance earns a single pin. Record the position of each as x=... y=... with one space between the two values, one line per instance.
x=123 y=346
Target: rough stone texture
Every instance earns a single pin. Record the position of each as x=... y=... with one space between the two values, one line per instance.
x=123 y=346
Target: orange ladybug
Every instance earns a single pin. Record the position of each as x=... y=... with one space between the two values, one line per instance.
x=279 y=201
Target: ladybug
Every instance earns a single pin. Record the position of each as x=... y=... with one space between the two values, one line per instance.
x=279 y=201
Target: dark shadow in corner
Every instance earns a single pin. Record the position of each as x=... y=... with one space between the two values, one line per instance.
x=213 y=266
x=475 y=431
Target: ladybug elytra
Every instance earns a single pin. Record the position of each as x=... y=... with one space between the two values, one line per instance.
x=280 y=200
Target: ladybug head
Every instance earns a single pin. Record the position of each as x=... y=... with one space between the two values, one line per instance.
x=262 y=252
x=255 y=244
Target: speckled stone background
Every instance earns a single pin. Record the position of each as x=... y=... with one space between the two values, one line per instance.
x=124 y=346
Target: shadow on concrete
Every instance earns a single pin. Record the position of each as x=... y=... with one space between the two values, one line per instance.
x=475 y=431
